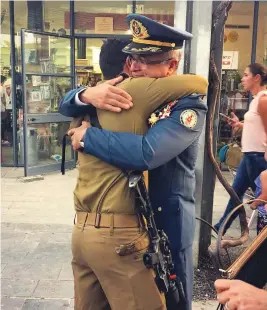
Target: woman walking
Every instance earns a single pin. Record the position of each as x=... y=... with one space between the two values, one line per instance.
x=254 y=135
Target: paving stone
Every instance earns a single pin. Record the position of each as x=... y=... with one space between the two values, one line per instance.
x=13 y=251
x=50 y=237
x=29 y=227
x=8 y=226
x=12 y=303
x=205 y=305
x=66 y=272
x=50 y=252
x=3 y=266
x=71 y=304
x=14 y=198
x=54 y=289
x=6 y=204
x=32 y=270
x=10 y=236
x=46 y=304
x=31 y=178
x=18 y=287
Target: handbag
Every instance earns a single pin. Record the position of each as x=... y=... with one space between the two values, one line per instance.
x=233 y=156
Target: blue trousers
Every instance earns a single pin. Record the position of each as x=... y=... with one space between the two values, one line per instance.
x=249 y=169
x=185 y=272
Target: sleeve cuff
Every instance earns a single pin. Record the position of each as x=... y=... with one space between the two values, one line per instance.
x=77 y=99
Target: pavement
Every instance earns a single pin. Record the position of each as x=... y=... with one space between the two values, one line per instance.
x=37 y=220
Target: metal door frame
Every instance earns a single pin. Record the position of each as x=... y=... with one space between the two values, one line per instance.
x=42 y=118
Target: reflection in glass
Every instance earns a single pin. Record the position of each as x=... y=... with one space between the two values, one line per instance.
x=54 y=16
x=261 y=51
x=239 y=39
x=46 y=54
x=102 y=17
x=55 y=13
x=160 y=11
x=6 y=88
x=236 y=57
x=44 y=144
x=88 y=72
x=44 y=93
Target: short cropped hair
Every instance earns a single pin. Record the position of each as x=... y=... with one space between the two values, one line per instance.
x=3 y=78
x=112 y=59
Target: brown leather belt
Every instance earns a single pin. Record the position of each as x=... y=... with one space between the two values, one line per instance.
x=106 y=220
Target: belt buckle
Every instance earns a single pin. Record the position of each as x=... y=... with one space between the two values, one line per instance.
x=97 y=220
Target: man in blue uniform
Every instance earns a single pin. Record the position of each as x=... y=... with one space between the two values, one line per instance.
x=168 y=150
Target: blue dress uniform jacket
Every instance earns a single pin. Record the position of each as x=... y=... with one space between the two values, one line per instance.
x=169 y=150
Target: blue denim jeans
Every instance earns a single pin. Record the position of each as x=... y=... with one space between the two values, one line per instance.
x=249 y=169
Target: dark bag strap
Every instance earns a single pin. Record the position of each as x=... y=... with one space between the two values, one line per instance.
x=64 y=142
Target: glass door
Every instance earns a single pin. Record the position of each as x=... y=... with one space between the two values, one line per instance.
x=47 y=74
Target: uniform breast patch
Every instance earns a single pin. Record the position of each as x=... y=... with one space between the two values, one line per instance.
x=188 y=118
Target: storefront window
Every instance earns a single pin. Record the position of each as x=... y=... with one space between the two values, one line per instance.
x=102 y=17
x=46 y=54
x=261 y=52
x=5 y=88
x=44 y=144
x=161 y=11
x=46 y=16
x=88 y=72
x=21 y=15
x=44 y=93
x=236 y=57
x=55 y=14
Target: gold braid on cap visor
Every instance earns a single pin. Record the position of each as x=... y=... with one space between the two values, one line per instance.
x=151 y=42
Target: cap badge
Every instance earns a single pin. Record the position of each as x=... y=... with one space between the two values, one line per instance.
x=138 y=29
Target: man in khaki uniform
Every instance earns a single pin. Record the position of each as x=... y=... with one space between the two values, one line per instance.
x=109 y=238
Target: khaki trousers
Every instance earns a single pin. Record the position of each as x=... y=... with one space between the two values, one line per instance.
x=105 y=280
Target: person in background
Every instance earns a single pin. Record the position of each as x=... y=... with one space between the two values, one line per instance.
x=261 y=194
x=239 y=295
x=254 y=135
x=3 y=111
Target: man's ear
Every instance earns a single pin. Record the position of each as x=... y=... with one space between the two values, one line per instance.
x=127 y=66
x=173 y=66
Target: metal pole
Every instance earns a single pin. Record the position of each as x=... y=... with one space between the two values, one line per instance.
x=72 y=43
x=24 y=104
x=254 y=38
x=209 y=176
x=72 y=17
x=134 y=6
x=72 y=60
x=13 y=84
x=254 y=32
x=189 y=28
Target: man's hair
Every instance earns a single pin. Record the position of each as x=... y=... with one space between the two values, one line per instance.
x=112 y=59
x=3 y=78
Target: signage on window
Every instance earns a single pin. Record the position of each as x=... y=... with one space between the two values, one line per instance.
x=230 y=60
x=103 y=24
